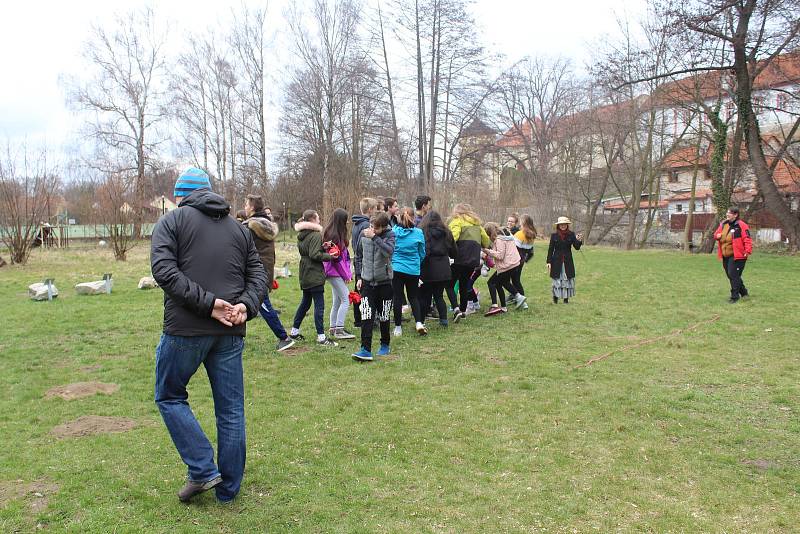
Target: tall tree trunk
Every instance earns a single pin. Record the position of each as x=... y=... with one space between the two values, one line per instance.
x=420 y=105
x=395 y=131
x=773 y=200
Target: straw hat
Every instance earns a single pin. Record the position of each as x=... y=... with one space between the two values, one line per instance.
x=562 y=220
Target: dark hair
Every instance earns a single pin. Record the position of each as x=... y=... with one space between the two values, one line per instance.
x=405 y=217
x=421 y=200
x=432 y=219
x=336 y=230
x=256 y=202
x=380 y=220
x=388 y=201
x=734 y=210
x=309 y=214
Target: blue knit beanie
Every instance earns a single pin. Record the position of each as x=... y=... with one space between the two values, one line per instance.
x=191 y=179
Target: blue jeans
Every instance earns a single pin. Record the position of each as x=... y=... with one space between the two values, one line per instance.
x=317 y=294
x=177 y=360
x=272 y=319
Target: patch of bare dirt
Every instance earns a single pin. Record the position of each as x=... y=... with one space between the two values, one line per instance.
x=760 y=464
x=79 y=390
x=89 y=425
x=36 y=493
x=296 y=350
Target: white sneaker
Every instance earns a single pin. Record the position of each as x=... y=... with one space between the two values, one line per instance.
x=421 y=330
x=520 y=300
x=398 y=331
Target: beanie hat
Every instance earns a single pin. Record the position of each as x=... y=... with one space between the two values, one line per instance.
x=189 y=180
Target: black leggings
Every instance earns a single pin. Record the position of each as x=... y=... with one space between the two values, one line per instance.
x=435 y=291
x=411 y=284
x=516 y=274
x=463 y=275
x=497 y=282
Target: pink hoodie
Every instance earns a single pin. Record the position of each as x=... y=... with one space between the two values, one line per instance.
x=505 y=253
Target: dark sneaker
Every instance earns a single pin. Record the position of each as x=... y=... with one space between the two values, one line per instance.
x=341 y=333
x=363 y=355
x=298 y=337
x=384 y=350
x=193 y=488
x=327 y=343
x=458 y=316
x=733 y=300
x=443 y=323
x=284 y=344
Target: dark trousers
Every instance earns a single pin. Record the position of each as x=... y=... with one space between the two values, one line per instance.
x=376 y=303
x=435 y=291
x=317 y=294
x=411 y=284
x=463 y=275
x=271 y=317
x=516 y=275
x=733 y=269
x=357 y=310
x=497 y=283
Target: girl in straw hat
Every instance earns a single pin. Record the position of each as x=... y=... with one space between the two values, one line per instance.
x=559 y=259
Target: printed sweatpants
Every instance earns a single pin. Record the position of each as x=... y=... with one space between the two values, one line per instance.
x=376 y=302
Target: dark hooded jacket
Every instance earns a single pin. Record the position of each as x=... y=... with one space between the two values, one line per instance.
x=264 y=233
x=309 y=244
x=439 y=248
x=360 y=223
x=198 y=254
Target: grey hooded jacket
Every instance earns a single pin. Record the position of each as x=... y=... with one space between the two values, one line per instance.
x=375 y=257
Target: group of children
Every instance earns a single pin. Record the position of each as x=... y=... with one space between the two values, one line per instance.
x=405 y=256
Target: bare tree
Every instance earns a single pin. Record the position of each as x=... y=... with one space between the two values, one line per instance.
x=27 y=184
x=533 y=101
x=116 y=209
x=753 y=34
x=123 y=95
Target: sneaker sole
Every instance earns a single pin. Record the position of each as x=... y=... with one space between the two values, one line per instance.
x=289 y=346
x=362 y=358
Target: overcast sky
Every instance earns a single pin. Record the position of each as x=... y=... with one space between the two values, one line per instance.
x=42 y=40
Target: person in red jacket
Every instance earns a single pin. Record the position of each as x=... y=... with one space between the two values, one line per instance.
x=735 y=246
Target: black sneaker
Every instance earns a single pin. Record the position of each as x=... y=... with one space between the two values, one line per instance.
x=733 y=300
x=284 y=344
x=458 y=316
x=193 y=488
x=297 y=337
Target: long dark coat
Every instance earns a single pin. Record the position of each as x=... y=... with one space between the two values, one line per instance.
x=439 y=248
x=560 y=252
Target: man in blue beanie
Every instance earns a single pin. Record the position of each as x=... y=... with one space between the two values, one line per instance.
x=213 y=282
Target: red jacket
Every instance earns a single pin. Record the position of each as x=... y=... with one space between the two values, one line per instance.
x=742 y=244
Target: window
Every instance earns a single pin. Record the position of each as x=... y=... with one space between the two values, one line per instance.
x=758 y=104
x=673 y=176
x=678 y=207
x=730 y=109
x=782 y=101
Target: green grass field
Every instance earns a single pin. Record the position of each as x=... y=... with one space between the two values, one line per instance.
x=485 y=427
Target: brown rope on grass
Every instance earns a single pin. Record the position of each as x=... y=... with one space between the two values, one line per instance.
x=648 y=341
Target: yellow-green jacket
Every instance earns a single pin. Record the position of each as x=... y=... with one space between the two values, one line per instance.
x=470 y=238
